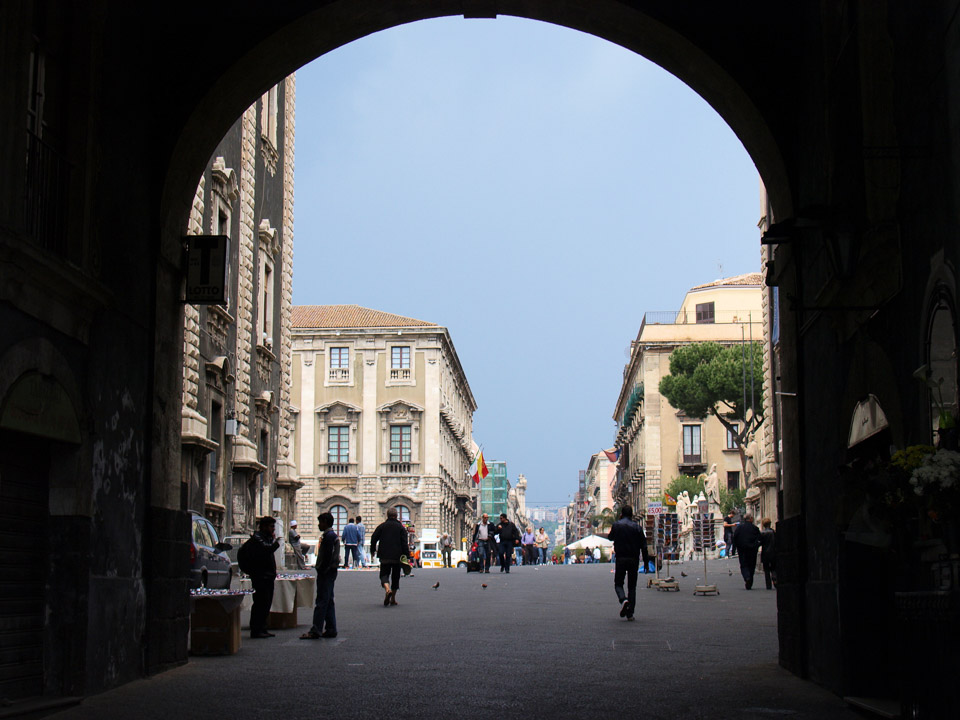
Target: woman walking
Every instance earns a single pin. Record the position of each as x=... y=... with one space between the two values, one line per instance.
x=543 y=544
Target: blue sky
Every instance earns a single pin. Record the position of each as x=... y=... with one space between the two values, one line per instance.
x=531 y=188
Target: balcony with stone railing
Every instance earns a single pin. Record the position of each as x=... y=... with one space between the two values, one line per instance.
x=339 y=375
x=400 y=374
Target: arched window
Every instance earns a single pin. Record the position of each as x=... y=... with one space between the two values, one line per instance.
x=942 y=359
x=339 y=513
x=403 y=513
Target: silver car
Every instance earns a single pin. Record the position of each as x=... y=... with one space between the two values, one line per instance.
x=209 y=565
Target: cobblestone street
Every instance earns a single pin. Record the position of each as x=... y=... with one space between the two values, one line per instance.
x=539 y=643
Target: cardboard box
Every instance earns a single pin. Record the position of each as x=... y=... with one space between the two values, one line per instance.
x=214 y=630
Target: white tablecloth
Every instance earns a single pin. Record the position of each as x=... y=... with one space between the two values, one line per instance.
x=288 y=594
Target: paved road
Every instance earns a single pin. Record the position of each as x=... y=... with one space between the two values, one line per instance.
x=540 y=643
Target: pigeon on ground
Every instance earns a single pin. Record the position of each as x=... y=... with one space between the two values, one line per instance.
x=729 y=572
x=484 y=585
x=682 y=574
x=436 y=585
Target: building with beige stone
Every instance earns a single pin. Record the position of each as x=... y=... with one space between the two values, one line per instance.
x=657 y=442
x=384 y=418
x=601 y=482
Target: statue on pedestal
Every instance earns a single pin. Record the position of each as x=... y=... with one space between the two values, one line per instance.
x=711 y=486
x=752 y=453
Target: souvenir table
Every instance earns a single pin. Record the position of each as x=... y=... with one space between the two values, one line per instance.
x=215 y=621
x=290 y=592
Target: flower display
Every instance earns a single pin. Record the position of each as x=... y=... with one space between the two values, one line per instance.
x=939 y=471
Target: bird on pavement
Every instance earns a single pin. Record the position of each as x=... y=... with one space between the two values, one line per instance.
x=682 y=574
x=484 y=585
x=729 y=572
x=436 y=585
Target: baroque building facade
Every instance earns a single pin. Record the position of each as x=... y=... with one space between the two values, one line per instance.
x=383 y=418
x=657 y=442
x=235 y=424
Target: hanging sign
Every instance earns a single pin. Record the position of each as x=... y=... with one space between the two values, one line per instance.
x=207 y=268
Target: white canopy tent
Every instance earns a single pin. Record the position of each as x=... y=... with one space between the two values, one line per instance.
x=590 y=541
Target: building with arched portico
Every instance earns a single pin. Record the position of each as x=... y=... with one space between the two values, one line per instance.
x=847 y=110
x=384 y=418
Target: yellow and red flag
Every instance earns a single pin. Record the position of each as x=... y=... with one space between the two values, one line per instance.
x=479 y=470
x=669 y=499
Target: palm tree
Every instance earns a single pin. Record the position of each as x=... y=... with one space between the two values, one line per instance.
x=604 y=521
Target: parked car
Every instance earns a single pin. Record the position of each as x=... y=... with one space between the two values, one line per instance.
x=209 y=564
x=234 y=541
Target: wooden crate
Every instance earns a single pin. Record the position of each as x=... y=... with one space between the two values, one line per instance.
x=213 y=630
x=282 y=621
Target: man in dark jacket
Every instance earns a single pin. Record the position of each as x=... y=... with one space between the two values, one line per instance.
x=483 y=536
x=509 y=539
x=328 y=559
x=262 y=569
x=389 y=543
x=629 y=545
x=746 y=539
x=768 y=556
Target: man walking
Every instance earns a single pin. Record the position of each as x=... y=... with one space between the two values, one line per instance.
x=629 y=545
x=483 y=536
x=361 y=541
x=328 y=559
x=350 y=539
x=389 y=543
x=746 y=540
x=259 y=562
x=509 y=539
x=729 y=526
x=446 y=549
x=768 y=553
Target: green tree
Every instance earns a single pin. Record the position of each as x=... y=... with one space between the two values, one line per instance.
x=732 y=499
x=692 y=485
x=604 y=520
x=725 y=381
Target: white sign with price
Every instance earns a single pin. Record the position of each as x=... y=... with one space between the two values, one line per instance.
x=655 y=508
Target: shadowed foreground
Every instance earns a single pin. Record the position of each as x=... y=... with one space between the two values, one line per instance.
x=540 y=642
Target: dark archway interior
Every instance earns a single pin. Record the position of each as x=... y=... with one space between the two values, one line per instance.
x=846 y=110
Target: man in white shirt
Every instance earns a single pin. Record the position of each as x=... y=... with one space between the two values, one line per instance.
x=483 y=537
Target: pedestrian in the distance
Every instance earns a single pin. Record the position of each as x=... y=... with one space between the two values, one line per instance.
x=293 y=537
x=509 y=539
x=729 y=526
x=630 y=544
x=257 y=560
x=483 y=535
x=746 y=540
x=328 y=559
x=529 y=542
x=389 y=543
x=351 y=536
x=446 y=549
x=362 y=539
x=543 y=544
x=768 y=553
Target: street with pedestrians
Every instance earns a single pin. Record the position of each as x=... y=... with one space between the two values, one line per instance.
x=543 y=642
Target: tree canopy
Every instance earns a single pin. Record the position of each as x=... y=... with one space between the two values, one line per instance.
x=710 y=378
x=721 y=380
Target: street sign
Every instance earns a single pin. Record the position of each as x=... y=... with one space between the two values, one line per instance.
x=207 y=266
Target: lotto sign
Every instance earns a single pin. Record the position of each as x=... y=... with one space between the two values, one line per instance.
x=654 y=508
x=207 y=269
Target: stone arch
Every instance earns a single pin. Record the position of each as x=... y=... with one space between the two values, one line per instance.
x=294 y=41
x=38 y=360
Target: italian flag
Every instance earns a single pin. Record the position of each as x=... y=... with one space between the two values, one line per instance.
x=478 y=471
